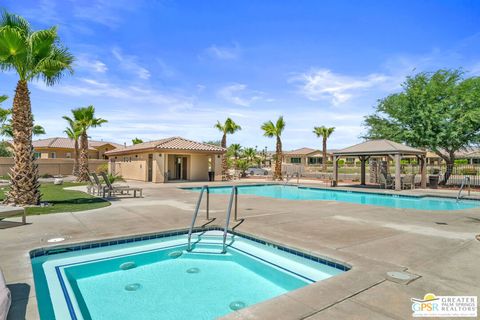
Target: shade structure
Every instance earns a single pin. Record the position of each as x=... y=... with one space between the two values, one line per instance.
x=381 y=147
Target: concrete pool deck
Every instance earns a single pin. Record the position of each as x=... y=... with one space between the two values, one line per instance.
x=438 y=246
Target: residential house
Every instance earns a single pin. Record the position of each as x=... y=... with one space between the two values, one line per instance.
x=63 y=148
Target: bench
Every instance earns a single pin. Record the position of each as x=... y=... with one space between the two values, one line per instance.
x=7 y=212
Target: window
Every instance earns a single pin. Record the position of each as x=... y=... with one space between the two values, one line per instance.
x=37 y=155
x=53 y=155
x=295 y=160
x=314 y=160
x=68 y=155
x=350 y=160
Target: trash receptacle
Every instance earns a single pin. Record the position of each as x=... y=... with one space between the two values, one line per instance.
x=211 y=176
x=433 y=182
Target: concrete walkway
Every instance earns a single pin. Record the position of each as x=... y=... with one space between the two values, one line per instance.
x=439 y=247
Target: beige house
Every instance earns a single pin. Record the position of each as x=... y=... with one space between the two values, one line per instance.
x=170 y=159
x=63 y=148
x=306 y=156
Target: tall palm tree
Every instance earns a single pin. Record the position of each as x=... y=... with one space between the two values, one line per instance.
x=85 y=119
x=229 y=127
x=73 y=132
x=275 y=130
x=32 y=55
x=234 y=150
x=6 y=127
x=325 y=133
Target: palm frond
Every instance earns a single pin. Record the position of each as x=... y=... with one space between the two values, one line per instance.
x=15 y=21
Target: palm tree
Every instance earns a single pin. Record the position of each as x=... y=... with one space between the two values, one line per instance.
x=275 y=130
x=137 y=140
x=325 y=133
x=85 y=119
x=32 y=55
x=234 y=150
x=229 y=127
x=6 y=128
x=73 y=132
x=250 y=154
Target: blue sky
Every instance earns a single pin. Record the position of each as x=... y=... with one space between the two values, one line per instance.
x=158 y=68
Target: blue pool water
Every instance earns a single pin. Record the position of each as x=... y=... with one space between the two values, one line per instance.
x=384 y=200
x=159 y=279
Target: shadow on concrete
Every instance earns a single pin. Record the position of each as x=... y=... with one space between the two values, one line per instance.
x=20 y=293
x=239 y=222
x=209 y=221
x=10 y=224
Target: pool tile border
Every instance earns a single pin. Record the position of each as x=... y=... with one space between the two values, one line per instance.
x=109 y=242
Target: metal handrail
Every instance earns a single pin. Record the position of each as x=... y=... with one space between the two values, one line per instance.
x=462 y=186
x=195 y=214
x=233 y=195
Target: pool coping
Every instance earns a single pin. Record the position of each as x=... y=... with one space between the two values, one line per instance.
x=63 y=248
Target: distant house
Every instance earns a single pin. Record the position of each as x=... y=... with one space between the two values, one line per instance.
x=170 y=159
x=63 y=148
x=306 y=156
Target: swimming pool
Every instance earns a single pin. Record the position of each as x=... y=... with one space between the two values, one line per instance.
x=375 y=199
x=154 y=277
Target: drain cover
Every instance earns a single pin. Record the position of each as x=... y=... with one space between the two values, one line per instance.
x=401 y=277
x=133 y=286
x=237 y=305
x=58 y=239
x=175 y=254
x=193 y=270
x=127 y=265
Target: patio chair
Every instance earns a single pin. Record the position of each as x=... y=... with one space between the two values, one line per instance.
x=386 y=182
x=115 y=189
x=408 y=181
x=92 y=186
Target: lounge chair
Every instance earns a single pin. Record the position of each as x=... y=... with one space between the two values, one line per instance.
x=92 y=187
x=7 y=212
x=112 y=189
x=408 y=181
x=386 y=182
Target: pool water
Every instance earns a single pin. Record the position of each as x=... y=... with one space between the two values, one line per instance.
x=375 y=199
x=159 y=279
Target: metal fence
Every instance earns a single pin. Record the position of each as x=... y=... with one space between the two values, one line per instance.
x=352 y=172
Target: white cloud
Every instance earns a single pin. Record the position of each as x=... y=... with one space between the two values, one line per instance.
x=130 y=64
x=132 y=94
x=238 y=94
x=88 y=64
x=323 y=84
x=224 y=53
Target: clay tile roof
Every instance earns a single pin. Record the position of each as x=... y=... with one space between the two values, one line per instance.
x=300 y=152
x=173 y=143
x=378 y=147
x=66 y=143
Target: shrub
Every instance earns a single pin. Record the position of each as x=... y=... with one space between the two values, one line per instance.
x=469 y=171
x=46 y=175
x=461 y=161
x=102 y=168
x=114 y=178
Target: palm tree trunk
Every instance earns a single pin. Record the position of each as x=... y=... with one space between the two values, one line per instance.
x=324 y=154
x=224 y=159
x=278 y=162
x=83 y=168
x=75 y=158
x=24 y=188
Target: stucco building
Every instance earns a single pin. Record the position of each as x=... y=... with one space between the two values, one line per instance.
x=170 y=159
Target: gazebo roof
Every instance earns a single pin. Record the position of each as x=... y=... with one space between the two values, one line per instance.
x=378 y=147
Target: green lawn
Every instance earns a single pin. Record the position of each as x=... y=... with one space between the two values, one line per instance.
x=63 y=200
